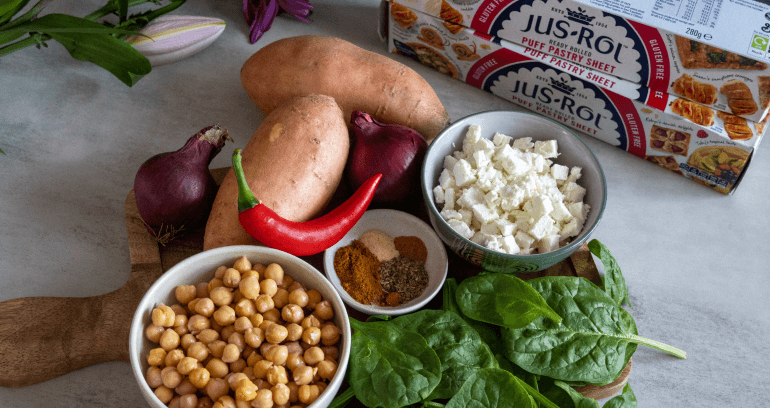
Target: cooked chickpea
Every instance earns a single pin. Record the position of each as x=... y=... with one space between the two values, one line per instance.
x=197 y=322
x=188 y=401
x=253 y=358
x=216 y=388
x=185 y=293
x=310 y=321
x=163 y=316
x=254 y=336
x=313 y=297
x=281 y=298
x=260 y=368
x=164 y=394
x=324 y=310
x=294 y=360
x=245 y=390
x=294 y=347
x=153 y=378
x=231 y=353
x=169 y=340
x=225 y=315
x=198 y=351
x=330 y=352
x=173 y=357
x=330 y=334
x=205 y=307
x=214 y=283
x=264 y=399
x=273 y=315
x=298 y=297
x=277 y=354
x=217 y=368
x=181 y=319
x=292 y=313
x=268 y=287
x=276 y=333
x=242 y=264
x=237 y=339
x=227 y=331
x=207 y=336
x=186 y=340
x=153 y=332
x=294 y=332
x=185 y=387
x=311 y=335
x=326 y=369
x=237 y=296
x=294 y=286
x=286 y=282
x=171 y=378
x=293 y=388
x=313 y=355
x=205 y=402
x=280 y=393
x=277 y=374
x=242 y=323
x=245 y=307
x=304 y=374
x=238 y=365
x=178 y=309
x=249 y=287
x=232 y=278
x=221 y=296
x=308 y=393
x=187 y=365
x=156 y=357
x=225 y=401
x=217 y=348
x=274 y=272
x=202 y=290
x=256 y=319
x=233 y=379
x=263 y=303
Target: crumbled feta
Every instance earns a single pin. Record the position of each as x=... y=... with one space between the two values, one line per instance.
x=509 y=196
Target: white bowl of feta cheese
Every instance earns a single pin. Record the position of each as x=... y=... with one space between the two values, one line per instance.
x=512 y=191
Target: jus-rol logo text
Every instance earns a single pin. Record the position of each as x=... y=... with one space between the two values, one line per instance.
x=558 y=93
x=584 y=35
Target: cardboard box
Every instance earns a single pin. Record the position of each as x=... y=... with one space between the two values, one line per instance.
x=719 y=66
x=575 y=96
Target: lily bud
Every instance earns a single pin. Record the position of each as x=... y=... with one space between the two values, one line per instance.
x=172 y=38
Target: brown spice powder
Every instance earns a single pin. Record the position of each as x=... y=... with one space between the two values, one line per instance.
x=411 y=247
x=358 y=270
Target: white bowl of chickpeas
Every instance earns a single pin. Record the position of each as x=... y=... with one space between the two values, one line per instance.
x=240 y=326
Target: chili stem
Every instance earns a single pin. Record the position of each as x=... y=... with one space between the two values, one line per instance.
x=246 y=198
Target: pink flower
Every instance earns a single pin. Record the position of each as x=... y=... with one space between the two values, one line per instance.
x=259 y=14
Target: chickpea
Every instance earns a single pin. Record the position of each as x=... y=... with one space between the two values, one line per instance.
x=197 y=322
x=242 y=264
x=205 y=307
x=164 y=394
x=233 y=379
x=242 y=324
x=225 y=315
x=286 y=282
x=238 y=365
x=188 y=401
x=268 y=287
x=198 y=351
x=227 y=331
x=216 y=388
x=293 y=388
x=205 y=402
x=308 y=393
x=185 y=387
x=153 y=332
x=156 y=357
x=313 y=298
x=263 y=303
x=277 y=354
x=237 y=296
x=231 y=353
x=245 y=390
x=254 y=337
x=221 y=296
x=298 y=297
x=169 y=340
x=294 y=332
x=186 y=340
x=326 y=369
x=311 y=336
x=232 y=278
x=171 y=378
x=260 y=368
x=253 y=358
x=249 y=287
x=217 y=368
x=277 y=374
x=292 y=313
x=281 y=298
x=214 y=283
x=153 y=377
x=245 y=307
x=178 y=309
x=313 y=355
x=275 y=333
x=207 y=336
x=187 y=365
x=163 y=316
x=324 y=310
x=294 y=347
x=330 y=334
x=294 y=360
x=274 y=272
x=304 y=374
x=225 y=401
x=256 y=319
x=310 y=321
x=237 y=339
x=273 y=315
x=181 y=320
x=249 y=273
x=280 y=393
x=264 y=399
x=185 y=293
x=201 y=290
x=173 y=357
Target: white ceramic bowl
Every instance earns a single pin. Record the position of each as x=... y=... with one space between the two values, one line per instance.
x=572 y=152
x=201 y=267
x=396 y=224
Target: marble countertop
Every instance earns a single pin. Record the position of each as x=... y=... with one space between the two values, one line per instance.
x=696 y=261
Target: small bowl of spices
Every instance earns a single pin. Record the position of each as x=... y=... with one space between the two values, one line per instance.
x=390 y=263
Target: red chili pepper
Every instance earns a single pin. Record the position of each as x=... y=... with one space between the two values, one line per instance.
x=299 y=238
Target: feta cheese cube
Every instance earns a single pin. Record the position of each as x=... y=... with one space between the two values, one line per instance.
x=449 y=198
x=541 y=227
x=575 y=173
x=571 y=228
x=524 y=240
x=516 y=166
x=438 y=195
x=508 y=244
x=449 y=162
x=548 y=243
x=470 y=197
x=500 y=139
x=573 y=192
x=511 y=197
x=559 y=172
x=484 y=214
x=451 y=215
x=490 y=229
x=540 y=206
x=446 y=179
x=548 y=149
x=463 y=172
x=505 y=227
x=462 y=228
x=524 y=144
x=560 y=211
x=578 y=210
x=467 y=216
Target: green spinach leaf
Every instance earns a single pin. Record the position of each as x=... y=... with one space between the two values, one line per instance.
x=457 y=345
x=492 y=387
x=490 y=334
x=391 y=367
x=503 y=300
x=627 y=399
x=614 y=282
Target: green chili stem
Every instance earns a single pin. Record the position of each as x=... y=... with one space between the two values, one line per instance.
x=246 y=198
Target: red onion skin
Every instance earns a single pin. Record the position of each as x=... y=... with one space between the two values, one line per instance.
x=394 y=150
x=175 y=190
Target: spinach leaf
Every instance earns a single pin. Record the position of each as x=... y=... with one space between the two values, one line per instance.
x=490 y=334
x=591 y=345
x=492 y=387
x=577 y=399
x=627 y=399
x=503 y=300
x=391 y=367
x=614 y=282
x=457 y=345
x=342 y=399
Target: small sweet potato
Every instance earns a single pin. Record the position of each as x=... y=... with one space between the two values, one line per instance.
x=293 y=164
x=356 y=78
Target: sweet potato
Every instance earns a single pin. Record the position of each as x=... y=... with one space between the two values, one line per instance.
x=293 y=164
x=356 y=78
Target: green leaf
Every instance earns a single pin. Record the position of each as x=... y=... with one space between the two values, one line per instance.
x=627 y=399
x=457 y=345
x=122 y=10
x=10 y=7
x=489 y=334
x=88 y=41
x=492 y=387
x=614 y=282
x=502 y=300
x=391 y=367
x=8 y=36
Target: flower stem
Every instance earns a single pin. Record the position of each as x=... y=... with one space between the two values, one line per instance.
x=18 y=45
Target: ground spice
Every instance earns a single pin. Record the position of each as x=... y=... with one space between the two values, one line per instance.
x=404 y=275
x=411 y=247
x=358 y=270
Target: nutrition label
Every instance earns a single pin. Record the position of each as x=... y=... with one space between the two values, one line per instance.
x=704 y=13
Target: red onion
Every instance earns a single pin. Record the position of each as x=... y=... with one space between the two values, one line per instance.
x=395 y=151
x=175 y=190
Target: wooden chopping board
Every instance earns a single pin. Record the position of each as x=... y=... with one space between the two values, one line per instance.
x=46 y=337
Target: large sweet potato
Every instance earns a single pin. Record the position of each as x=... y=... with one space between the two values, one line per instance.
x=356 y=78
x=293 y=164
